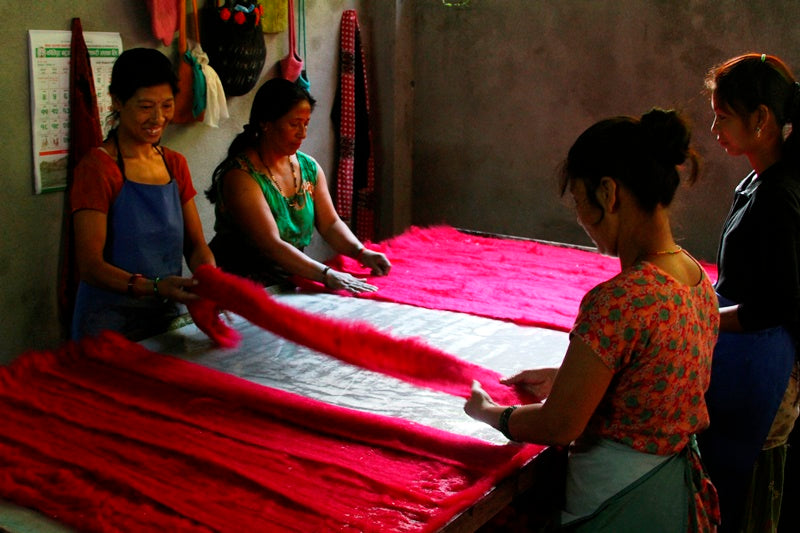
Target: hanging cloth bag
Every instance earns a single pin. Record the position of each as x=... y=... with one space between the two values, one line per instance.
x=291 y=66
x=216 y=105
x=303 y=79
x=190 y=102
x=235 y=43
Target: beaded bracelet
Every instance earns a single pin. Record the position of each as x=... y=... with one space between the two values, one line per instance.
x=505 y=416
x=131 y=282
x=325 y=275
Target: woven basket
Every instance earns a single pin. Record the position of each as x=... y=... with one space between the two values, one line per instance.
x=234 y=43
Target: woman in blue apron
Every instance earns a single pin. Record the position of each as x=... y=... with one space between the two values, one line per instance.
x=133 y=209
x=753 y=396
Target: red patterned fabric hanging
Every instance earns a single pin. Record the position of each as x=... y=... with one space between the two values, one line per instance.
x=356 y=200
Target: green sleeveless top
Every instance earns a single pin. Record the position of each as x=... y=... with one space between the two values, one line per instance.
x=294 y=216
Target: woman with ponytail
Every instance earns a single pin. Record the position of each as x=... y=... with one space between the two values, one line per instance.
x=628 y=398
x=270 y=197
x=754 y=393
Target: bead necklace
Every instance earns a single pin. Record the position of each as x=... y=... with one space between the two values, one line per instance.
x=293 y=201
x=274 y=181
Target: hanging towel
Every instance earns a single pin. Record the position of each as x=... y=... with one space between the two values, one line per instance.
x=190 y=100
x=85 y=132
x=164 y=19
x=216 y=106
x=355 y=177
x=198 y=84
x=275 y=16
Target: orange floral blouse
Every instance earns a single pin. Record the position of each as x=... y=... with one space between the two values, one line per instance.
x=657 y=336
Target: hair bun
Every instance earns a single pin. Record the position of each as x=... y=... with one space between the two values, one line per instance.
x=665 y=136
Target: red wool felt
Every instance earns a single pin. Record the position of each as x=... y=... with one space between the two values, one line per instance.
x=357 y=343
x=205 y=315
x=105 y=435
x=525 y=282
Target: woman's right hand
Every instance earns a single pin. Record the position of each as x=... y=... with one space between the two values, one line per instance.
x=537 y=382
x=176 y=288
x=377 y=262
x=337 y=280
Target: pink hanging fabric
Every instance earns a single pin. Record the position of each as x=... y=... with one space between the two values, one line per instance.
x=104 y=435
x=164 y=19
x=522 y=281
x=355 y=176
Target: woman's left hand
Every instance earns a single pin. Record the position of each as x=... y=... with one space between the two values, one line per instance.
x=377 y=262
x=337 y=280
x=478 y=403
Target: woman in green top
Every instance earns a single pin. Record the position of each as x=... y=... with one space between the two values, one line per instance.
x=269 y=198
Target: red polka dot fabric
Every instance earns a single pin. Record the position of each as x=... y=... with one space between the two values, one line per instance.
x=355 y=177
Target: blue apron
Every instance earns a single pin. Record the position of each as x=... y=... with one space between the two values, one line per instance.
x=749 y=375
x=145 y=236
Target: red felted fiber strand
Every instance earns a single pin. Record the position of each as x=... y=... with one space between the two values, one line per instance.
x=525 y=282
x=357 y=343
x=205 y=314
x=107 y=436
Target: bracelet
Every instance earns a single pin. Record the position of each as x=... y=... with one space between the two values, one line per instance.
x=131 y=282
x=361 y=250
x=325 y=275
x=155 y=286
x=505 y=416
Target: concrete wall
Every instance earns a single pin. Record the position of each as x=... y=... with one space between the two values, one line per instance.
x=31 y=224
x=473 y=109
x=503 y=87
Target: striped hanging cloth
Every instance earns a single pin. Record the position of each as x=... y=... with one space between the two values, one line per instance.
x=356 y=201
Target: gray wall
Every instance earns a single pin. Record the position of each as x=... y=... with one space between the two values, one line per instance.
x=31 y=224
x=473 y=110
x=503 y=87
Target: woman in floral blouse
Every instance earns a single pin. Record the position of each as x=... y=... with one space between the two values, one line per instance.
x=629 y=396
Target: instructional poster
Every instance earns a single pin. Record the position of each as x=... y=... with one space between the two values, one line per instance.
x=49 y=51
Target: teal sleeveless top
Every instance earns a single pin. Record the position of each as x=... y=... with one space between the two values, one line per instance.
x=294 y=215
